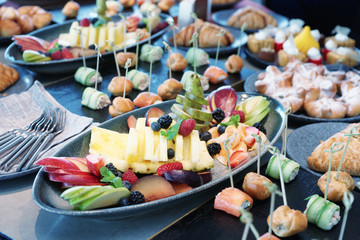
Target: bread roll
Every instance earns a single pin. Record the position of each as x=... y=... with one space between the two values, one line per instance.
x=120 y=106
x=169 y=89
x=116 y=86
x=254 y=186
x=338 y=187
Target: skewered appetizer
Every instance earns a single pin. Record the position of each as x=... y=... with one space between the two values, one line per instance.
x=176 y=62
x=234 y=64
x=197 y=57
x=254 y=186
x=253 y=17
x=146 y=99
x=139 y=79
x=156 y=53
x=215 y=74
x=290 y=168
x=230 y=200
x=322 y=213
x=169 y=89
x=337 y=187
x=71 y=9
x=207 y=35
x=94 y=99
x=87 y=76
x=120 y=106
x=123 y=56
x=116 y=86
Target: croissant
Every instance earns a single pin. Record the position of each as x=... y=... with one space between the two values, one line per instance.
x=325 y=108
x=351 y=97
x=273 y=80
x=254 y=18
x=319 y=160
x=207 y=35
x=290 y=97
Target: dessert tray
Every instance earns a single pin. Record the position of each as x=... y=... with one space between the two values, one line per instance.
x=221 y=18
x=14 y=55
x=302 y=142
x=46 y=193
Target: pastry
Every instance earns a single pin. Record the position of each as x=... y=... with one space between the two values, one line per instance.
x=207 y=35
x=284 y=57
x=9 y=28
x=25 y=23
x=254 y=186
x=39 y=16
x=71 y=9
x=326 y=108
x=234 y=64
x=267 y=54
x=120 y=106
x=337 y=187
x=9 y=13
x=176 y=62
x=122 y=57
x=258 y=41
x=255 y=18
x=314 y=56
x=116 y=86
x=169 y=89
x=279 y=40
x=8 y=76
x=343 y=55
x=319 y=160
x=351 y=97
x=293 y=98
x=273 y=80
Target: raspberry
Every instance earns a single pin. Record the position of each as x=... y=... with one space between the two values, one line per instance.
x=221 y=129
x=186 y=127
x=129 y=176
x=218 y=115
x=260 y=126
x=205 y=136
x=136 y=197
x=214 y=148
x=169 y=166
x=56 y=55
x=85 y=22
x=165 y=121
x=155 y=126
x=113 y=169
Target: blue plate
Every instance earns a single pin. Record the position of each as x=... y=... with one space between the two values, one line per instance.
x=46 y=193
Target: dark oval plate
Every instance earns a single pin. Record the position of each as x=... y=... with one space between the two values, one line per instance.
x=302 y=117
x=25 y=81
x=302 y=141
x=14 y=54
x=218 y=6
x=221 y=18
x=46 y=194
x=212 y=50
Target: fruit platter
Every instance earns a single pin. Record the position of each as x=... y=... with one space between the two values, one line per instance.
x=67 y=33
x=47 y=193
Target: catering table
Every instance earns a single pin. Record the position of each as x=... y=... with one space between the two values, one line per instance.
x=21 y=218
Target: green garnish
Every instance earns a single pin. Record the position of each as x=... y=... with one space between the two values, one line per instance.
x=234 y=120
x=172 y=132
x=109 y=177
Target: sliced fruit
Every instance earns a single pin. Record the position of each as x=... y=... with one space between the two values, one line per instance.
x=179 y=148
x=195 y=143
x=140 y=127
x=238 y=158
x=163 y=149
x=180 y=187
x=149 y=144
x=73 y=179
x=131 y=121
x=258 y=117
x=252 y=110
x=94 y=163
x=132 y=146
x=153 y=112
x=57 y=163
x=71 y=191
x=186 y=102
x=179 y=111
x=195 y=98
x=203 y=114
x=183 y=176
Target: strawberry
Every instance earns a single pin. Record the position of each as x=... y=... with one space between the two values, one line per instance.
x=56 y=55
x=169 y=166
x=238 y=157
x=129 y=176
x=240 y=113
x=186 y=127
x=85 y=22
x=249 y=139
x=66 y=53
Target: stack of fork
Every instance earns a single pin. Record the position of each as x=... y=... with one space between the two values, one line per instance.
x=22 y=146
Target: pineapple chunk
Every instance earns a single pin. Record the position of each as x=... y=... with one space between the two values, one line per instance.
x=74 y=35
x=102 y=37
x=85 y=36
x=64 y=39
x=132 y=146
x=195 y=146
x=93 y=35
x=149 y=144
x=179 y=148
x=140 y=127
x=163 y=149
x=186 y=148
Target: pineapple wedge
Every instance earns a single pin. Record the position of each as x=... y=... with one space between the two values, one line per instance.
x=85 y=36
x=93 y=35
x=195 y=149
x=132 y=146
x=149 y=144
x=140 y=127
x=74 y=35
x=179 y=143
x=103 y=36
x=163 y=149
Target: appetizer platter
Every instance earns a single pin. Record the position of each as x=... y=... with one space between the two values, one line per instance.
x=46 y=193
x=222 y=18
x=20 y=82
x=14 y=54
x=253 y=84
x=300 y=145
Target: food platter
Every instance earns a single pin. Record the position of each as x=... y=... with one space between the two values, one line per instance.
x=226 y=50
x=221 y=18
x=302 y=117
x=302 y=142
x=25 y=81
x=14 y=55
x=46 y=193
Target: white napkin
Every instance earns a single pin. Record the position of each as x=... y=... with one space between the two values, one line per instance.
x=19 y=110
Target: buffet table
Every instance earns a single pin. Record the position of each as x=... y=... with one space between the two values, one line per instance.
x=21 y=218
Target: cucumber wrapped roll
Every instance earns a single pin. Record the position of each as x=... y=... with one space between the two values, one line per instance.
x=146 y=54
x=289 y=168
x=86 y=76
x=197 y=56
x=140 y=79
x=94 y=99
x=322 y=212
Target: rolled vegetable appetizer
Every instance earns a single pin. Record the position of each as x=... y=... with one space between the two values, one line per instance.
x=197 y=56
x=147 y=56
x=86 y=76
x=322 y=212
x=215 y=74
x=290 y=168
x=231 y=199
x=94 y=99
x=139 y=79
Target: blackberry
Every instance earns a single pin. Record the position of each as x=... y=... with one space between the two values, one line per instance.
x=213 y=148
x=170 y=153
x=124 y=202
x=165 y=121
x=141 y=25
x=260 y=126
x=155 y=126
x=221 y=129
x=93 y=20
x=92 y=46
x=218 y=115
x=113 y=169
x=205 y=136
x=126 y=184
x=48 y=54
x=136 y=197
